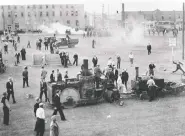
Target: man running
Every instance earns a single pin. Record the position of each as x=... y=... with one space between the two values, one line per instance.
x=178 y=67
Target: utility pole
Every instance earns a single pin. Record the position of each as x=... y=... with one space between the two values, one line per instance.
x=183 y=34
x=103 y=15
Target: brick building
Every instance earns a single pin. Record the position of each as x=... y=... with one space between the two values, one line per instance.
x=29 y=17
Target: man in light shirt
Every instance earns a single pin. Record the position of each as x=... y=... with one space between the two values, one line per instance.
x=151 y=89
x=40 y=124
x=131 y=58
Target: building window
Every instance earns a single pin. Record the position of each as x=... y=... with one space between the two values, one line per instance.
x=28 y=7
x=53 y=6
x=68 y=22
x=53 y=13
x=40 y=14
x=40 y=6
x=47 y=14
x=15 y=7
x=72 y=13
x=8 y=6
x=60 y=13
x=15 y=14
x=28 y=14
x=76 y=13
x=9 y=14
x=22 y=15
x=66 y=6
x=77 y=23
x=46 y=6
x=162 y=17
x=67 y=13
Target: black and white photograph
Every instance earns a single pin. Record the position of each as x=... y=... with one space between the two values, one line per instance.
x=92 y=68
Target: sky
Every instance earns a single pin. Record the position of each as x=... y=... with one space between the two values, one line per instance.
x=113 y=5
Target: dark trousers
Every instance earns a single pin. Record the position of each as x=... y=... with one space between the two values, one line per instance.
x=94 y=64
x=151 y=72
x=18 y=60
x=25 y=80
x=11 y=93
x=75 y=61
x=39 y=47
x=46 y=47
x=59 y=109
x=45 y=93
x=40 y=133
x=125 y=83
x=118 y=65
x=149 y=52
x=6 y=115
x=179 y=69
x=97 y=81
x=151 y=93
x=28 y=46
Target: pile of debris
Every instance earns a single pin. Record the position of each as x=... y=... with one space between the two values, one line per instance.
x=173 y=87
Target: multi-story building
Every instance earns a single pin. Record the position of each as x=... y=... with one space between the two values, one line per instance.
x=29 y=17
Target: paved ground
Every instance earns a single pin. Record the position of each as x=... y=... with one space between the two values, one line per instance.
x=136 y=118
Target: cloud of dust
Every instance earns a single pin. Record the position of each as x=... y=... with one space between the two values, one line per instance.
x=58 y=28
x=133 y=34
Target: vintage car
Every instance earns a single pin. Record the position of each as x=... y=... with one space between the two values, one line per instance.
x=64 y=42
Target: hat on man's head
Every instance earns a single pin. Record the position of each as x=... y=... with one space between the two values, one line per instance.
x=41 y=104
x=52 y=70
x=25 y=67
x=37 y=99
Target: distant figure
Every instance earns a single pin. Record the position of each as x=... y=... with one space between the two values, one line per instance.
x=43 y=89
x=131 y=58
x=59 y=76
x=118 y=62
x=52 y=77
x=28 y=45
x=93 y=43
x=95 y=61
x=6 y=109
x=25 y=77
x=151 y=69
x=124 y=77
x=18 y=39
x=10 y=89
x=149 y=48
x=75 y=59
x=6 y=47
x=23 y=53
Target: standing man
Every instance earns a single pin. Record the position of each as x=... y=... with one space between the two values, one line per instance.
x=18 y=39
x=58 y=106
x=97 y=73
x=43 y=73
x=40 y=124
x=43 y=89
x=52 y=77
x=75 y=59
x=149 y=48
x=17 y=55
x=23 y=53
x=131 y=57
x=10 y=90
x=93 y=43
x=125 y=77
x=25 y=77
x=46 y=45
x=59 y=76
x=118 y=61
x=6 y=109
x=28 y=45
x=6 y=47
x=95 y=61
x=151 y=69
x=151 y=89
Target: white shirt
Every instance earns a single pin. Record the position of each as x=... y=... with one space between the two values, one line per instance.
x=40 y=113
x=131 y=56
x=150 y=82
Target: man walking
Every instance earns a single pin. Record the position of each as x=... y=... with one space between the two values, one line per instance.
x=25 y=77
x=125 y=77
x=57 y=105
x=23 y=53
x=75 y=59
x=43 y=89
x=149 y=48
x=93 y=43
x=10 y=90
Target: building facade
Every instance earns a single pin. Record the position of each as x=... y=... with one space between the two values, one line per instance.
x=29 y=17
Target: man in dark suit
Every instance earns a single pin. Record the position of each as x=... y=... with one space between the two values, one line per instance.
x=125 y=77
x=149 y=48
x=52 y=77
x=43 y=89
x=75 y=59
x=57 y=105
x=115 y=74
x=25 y=77
x=10 y=91
x=95 y=61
